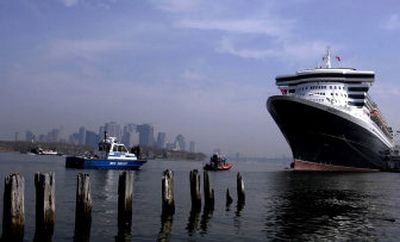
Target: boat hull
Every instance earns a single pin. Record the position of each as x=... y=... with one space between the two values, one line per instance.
x=222 y=167
x=326 y=139
x=83 y=163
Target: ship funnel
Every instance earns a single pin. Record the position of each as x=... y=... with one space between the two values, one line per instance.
x=327 y=58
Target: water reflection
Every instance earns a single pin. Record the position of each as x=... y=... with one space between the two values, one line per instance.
x=166 y=228
x=124 y=234
x=193 y=222
x=239 y=208
x=205 y=219
x=311 y=206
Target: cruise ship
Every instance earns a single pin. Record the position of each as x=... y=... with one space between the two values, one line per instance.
x=330 y=121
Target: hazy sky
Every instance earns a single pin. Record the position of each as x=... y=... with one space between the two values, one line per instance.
x=203 y=68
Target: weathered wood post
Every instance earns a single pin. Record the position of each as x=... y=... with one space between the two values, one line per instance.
x=83 y=209
x=195 y=190
x=45 y=206
x=240 y=189
x=13 y=208
x=209 y=199
x=229 y=199
x=167 y=193
x=125 y=199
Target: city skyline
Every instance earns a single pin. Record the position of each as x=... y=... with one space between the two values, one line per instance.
x=201 y=68
x=130 y=134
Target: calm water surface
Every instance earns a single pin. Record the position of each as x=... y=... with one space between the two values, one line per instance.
x=280 y=205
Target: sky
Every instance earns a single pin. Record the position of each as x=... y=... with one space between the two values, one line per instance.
x=202 y=68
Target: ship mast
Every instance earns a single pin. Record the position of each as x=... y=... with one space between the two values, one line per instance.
x=327 y=58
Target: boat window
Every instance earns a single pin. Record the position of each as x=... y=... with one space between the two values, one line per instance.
x=104 y=147
x=121 y=148
x=330 y=87
x=115 y=148
x=335 y=87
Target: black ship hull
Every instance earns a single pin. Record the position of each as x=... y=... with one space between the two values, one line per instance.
x=324 y=138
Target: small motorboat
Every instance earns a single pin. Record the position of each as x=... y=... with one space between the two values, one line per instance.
x=40 y=151
x=217 y=163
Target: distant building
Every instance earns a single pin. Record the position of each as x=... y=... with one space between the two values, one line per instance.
x=42 y=138
x=52 y=136
x=170 y=146
x=29 y=136
x=127 y=134
x=191 y=147
x=74 y=139
x=91 y=139
x=82 y=135
x=161 y=140
x=113 y=129
x=180 y=143
x=146 y=135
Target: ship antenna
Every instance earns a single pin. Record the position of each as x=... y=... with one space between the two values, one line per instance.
x=327 y=58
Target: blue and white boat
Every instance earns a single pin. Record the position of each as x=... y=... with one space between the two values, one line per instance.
x=111 y=155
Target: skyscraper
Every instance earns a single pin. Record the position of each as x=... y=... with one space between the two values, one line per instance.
x=91 y=139
x=161 y=140
x=180 y=143
x=146 y=134
x=112 y=128
x=82 y=135
x=127 y=132
x=53 y=136
x=29 y=136
x=191 y=146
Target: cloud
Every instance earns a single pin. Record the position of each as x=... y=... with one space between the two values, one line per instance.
x=392 y=23
x=271 y=27
x=70 y=3
x=176 y=6
x=86 y=48
x=283 y=51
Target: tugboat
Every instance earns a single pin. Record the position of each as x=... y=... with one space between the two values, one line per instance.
x=217 y=163
x=111 y=155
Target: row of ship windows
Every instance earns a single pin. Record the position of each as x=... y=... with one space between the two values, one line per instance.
x=323 y=94
x=335 y=101
x=323 y=87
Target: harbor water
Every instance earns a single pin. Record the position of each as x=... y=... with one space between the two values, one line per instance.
x=280 y=204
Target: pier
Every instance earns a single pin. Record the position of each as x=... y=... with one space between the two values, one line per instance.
x=45 y=205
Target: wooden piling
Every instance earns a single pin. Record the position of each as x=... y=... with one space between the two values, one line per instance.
x=83 y=209
x=209 y=199
x=45 y=206
x=167 y=193
x=125 y=199
x=195 y=190
x=13 y=208
x=240 y=189
x=229 y=199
